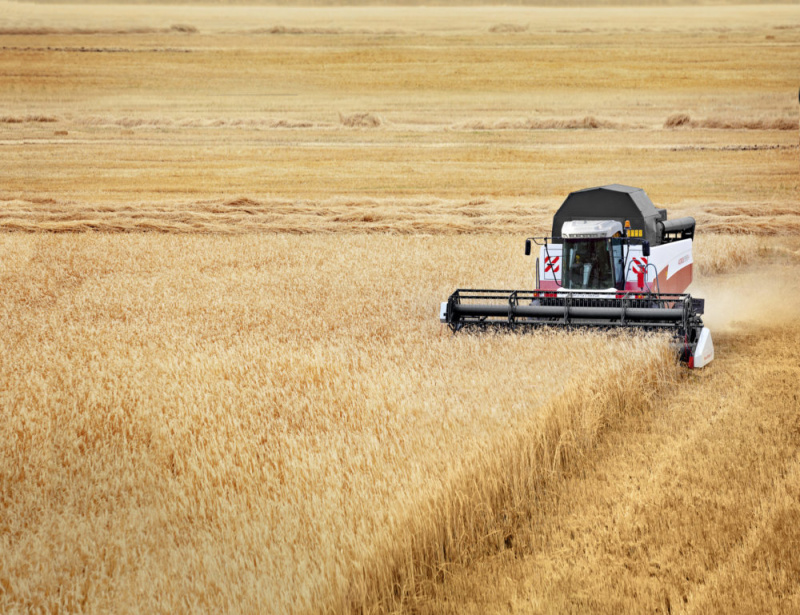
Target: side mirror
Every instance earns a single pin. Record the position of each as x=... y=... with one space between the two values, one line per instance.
x=527 y=247
x=645 y=248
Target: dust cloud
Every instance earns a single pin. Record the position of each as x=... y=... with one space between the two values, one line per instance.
x=761 y=295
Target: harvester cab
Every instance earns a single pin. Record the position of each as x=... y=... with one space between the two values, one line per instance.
x=613 y=260
x=592 y=254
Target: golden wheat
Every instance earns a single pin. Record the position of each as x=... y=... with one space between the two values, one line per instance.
x=714 y=254
x=690 y=507
x=224 y=385
x=256 y=422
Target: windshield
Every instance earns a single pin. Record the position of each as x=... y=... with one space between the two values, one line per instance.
x=587 y=264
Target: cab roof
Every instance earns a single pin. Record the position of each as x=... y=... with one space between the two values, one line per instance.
x=612 y=202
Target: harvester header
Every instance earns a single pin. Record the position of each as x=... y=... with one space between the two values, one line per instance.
x=613 y=261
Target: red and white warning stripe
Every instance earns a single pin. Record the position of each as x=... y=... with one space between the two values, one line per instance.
x=551 y=264
x=639 y=264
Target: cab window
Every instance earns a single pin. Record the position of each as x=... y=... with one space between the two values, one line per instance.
x=587 y=264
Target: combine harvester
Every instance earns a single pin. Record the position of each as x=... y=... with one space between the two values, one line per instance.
x=613 y=261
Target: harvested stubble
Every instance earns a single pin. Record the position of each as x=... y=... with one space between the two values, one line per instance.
x=361 y=120
x=684 y=120
x=296 y=216
x=749 y=218
x=588 y=121
x=355 y=214
x=212 y=423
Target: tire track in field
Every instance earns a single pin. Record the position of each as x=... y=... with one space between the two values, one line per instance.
x=693 y=508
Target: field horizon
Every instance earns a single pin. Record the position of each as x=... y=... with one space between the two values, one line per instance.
x=425 y=3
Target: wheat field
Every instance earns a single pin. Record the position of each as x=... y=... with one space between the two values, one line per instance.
x=224 y=235
x=250 y=435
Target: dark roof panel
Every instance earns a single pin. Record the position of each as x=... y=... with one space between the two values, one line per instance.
x=611 y=202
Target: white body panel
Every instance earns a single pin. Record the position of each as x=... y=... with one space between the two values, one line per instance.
x=670 y=258
x=443 y=312
x=704 y=351
x=550 y=263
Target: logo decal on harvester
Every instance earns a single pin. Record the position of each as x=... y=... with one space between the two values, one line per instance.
x=639 y=265
x=551 y=264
